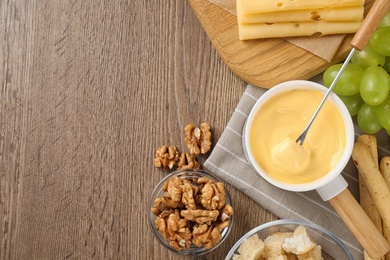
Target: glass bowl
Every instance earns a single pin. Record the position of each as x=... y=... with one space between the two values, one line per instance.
x=332 y=247
x=158 y=192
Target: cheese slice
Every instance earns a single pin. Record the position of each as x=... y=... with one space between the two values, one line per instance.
x=328 y=14
x=265 y=6
x=256 y=31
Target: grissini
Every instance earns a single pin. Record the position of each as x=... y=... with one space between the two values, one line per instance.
x=366 y=200
x=384 y=167
x=376 y=184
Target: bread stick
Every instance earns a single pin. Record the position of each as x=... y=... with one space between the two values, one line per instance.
x=376 y=184
x=366 y=201
x=370 y=141
x=384 y=167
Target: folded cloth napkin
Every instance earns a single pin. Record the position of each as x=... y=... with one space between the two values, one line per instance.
x=228 y=162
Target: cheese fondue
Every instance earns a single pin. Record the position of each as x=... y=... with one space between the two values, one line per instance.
x=279 y=122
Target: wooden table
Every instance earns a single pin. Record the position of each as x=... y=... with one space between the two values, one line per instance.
x=89 y=90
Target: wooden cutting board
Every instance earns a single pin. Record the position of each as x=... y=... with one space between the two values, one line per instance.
x=263 y=62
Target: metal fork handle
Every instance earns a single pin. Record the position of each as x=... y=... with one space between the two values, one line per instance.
x=301 y=138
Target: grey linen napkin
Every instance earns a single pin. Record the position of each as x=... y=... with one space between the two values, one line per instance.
x=228 y=162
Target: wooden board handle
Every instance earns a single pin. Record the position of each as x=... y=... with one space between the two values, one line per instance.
x=374 y=17
x=360 y=224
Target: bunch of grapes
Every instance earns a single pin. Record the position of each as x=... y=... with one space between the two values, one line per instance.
x=364 y=85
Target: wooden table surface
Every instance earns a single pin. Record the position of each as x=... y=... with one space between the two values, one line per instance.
x=89 y=90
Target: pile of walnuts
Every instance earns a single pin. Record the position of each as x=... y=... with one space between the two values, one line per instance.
x=193 y=212
x=198 y=141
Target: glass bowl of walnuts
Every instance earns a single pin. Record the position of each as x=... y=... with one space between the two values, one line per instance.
x=289 y=239
x=191 y=212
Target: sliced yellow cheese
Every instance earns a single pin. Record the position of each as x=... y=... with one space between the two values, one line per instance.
x=328 y=14
x=264 y=6
x=256 y=31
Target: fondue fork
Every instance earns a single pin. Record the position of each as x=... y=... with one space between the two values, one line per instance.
x=359 y=41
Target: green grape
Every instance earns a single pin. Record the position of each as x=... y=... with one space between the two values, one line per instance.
x=374 y=85
x=386 y=20
x=386 y=65
x=348 y=83
x=382 y=113
x=380 y=41
x=367 y=58
x=353 y=103
x=366 y=120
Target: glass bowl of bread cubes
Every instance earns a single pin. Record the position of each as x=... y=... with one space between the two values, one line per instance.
x=191 y=212
x=289 y=239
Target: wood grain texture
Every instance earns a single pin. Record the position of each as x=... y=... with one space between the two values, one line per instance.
x=360 y=224
x=89 y=89
x=262 y=62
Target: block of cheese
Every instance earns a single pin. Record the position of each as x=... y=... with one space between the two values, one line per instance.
x=354 y=13
x=264 y=6
x=289 y=18
x=262 y=30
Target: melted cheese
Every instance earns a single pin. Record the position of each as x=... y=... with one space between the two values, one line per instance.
x=290 y=156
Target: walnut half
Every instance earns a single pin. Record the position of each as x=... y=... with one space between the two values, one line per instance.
x=166 y=157
x=206 y=236
x=187 y=161
x=174 y=229
x=200 y=216
x=198 y=140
